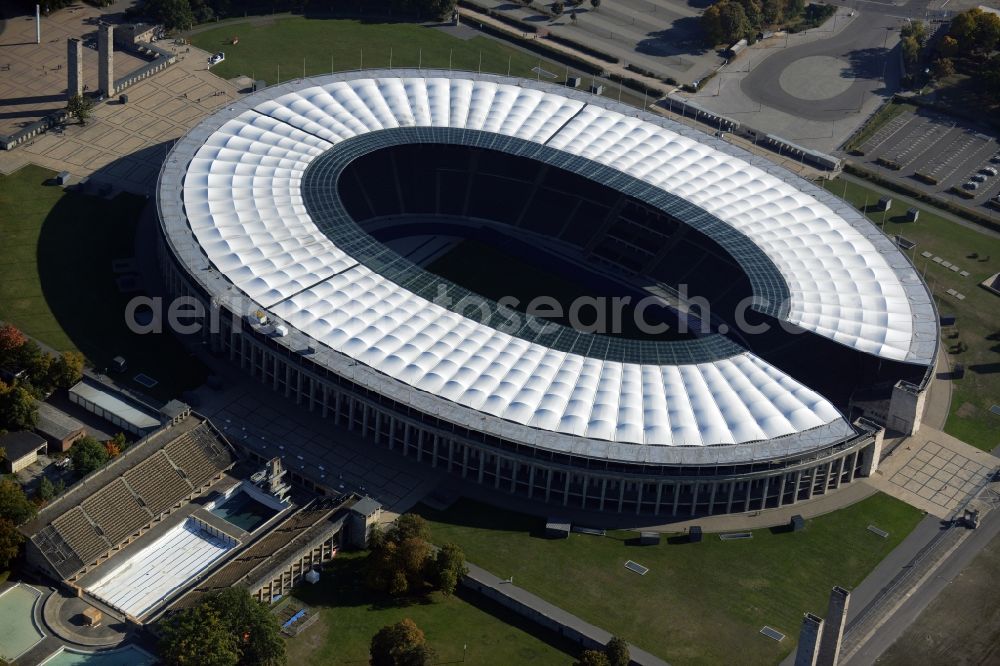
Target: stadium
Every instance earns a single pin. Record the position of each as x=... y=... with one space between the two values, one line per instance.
x=366 y=243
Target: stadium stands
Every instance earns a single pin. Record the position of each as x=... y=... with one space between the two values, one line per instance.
x=130 y=500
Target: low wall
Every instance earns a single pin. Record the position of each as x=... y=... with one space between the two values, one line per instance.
x=546 y=615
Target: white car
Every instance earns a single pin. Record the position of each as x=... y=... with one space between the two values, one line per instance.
x=988 y=171
x=216 y=59
x=971 y=185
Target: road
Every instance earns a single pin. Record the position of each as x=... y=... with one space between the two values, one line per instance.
x=862 y=51
x=924 y=594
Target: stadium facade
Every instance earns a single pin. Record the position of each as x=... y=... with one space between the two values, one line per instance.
x=279 y=214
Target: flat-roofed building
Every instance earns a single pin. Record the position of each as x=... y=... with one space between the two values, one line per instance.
x=21 y=449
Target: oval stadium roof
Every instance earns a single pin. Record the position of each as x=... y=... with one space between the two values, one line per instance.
x=230 y=192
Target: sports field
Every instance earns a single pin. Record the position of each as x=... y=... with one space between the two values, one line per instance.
x=978 y=324
x=282 y=49
x=58 y=286
x=457 y=630
x=700 y=603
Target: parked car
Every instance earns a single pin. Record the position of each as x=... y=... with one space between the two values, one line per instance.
x=995 y=159
x=989 y=171
x=971 y=185
x=978 y=178
x=216 y=58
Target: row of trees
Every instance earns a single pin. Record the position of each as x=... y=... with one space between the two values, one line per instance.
x=615 y=653
x=729 y=21
x=32 y=374
x=185 y=14
x=227 y=628
x=402 y=561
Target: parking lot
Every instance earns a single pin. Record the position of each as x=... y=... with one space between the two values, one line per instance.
x=662 y=36
x=937 y=153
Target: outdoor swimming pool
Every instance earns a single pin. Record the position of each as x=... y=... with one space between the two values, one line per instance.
x=18 y=632
x=126 y=656
x=244 y=511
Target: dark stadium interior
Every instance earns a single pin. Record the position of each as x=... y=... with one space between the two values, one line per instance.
x=557 y=233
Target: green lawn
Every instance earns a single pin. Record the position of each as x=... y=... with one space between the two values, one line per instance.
x=56 y=250
x=289 y=46
x=350 y=616
x=978 y=324
x=700 y=603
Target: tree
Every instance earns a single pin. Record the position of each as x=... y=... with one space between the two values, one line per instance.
x=948 y=46
x=617 y=652
x=449 y=567
x=914 y=29
x=173 y=14
x=10 y=339
x=260 y=642
x=773 y=11
x=400 y=644
x=963 y=28
x=410 y=526
x=943 y=68
x=197 y=637
x=228 y=628
x=66 y=370
x=558 y=7
x=734 y=22
x=87 y=454
x=911 y=51
x=592 y=658
x=18 y=410
x=80 y=107
x=596 y=4
x=45 y=490
x=711 y=25
x=112 y=449
x=987 y=36
x=14 y=504
x=10 y=542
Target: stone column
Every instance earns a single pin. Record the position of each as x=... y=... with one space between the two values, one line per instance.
x=74 y=67
x=105 y=59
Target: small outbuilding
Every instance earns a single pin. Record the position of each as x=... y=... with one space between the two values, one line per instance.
x=556 y=528
x=797 y=523
x=21 y=449
x=58 y=428
x=694 y=534
x=885 y=203
x=92 y=617
x=912 y=215
x=62 y=178
x=649 y=538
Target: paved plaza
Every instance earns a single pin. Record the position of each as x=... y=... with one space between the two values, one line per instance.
x=33 y=76
x=934 y=472
x=124 y=144
x=254 y=417
x=813 y=88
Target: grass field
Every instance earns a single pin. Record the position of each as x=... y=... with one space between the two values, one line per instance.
x=56 y=250
x=282 y=49
x=978 y=324
x=350 y=616
x=700 y=603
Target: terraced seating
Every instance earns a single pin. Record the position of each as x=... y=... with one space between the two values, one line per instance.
x=198 y=454
x=157 y=483
x=80 y=535
x=116 y=511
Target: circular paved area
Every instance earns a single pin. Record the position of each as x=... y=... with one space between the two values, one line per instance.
x=63 y=614
x=827 y=79
x=816 y=78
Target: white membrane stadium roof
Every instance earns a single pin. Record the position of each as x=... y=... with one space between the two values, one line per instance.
x=243 y=204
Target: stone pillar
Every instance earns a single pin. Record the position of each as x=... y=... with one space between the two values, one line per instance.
x=74 y=67
x=105 y=59
x=809 y=639
x=906 y=408
x=872 y=453
x=833 y=631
